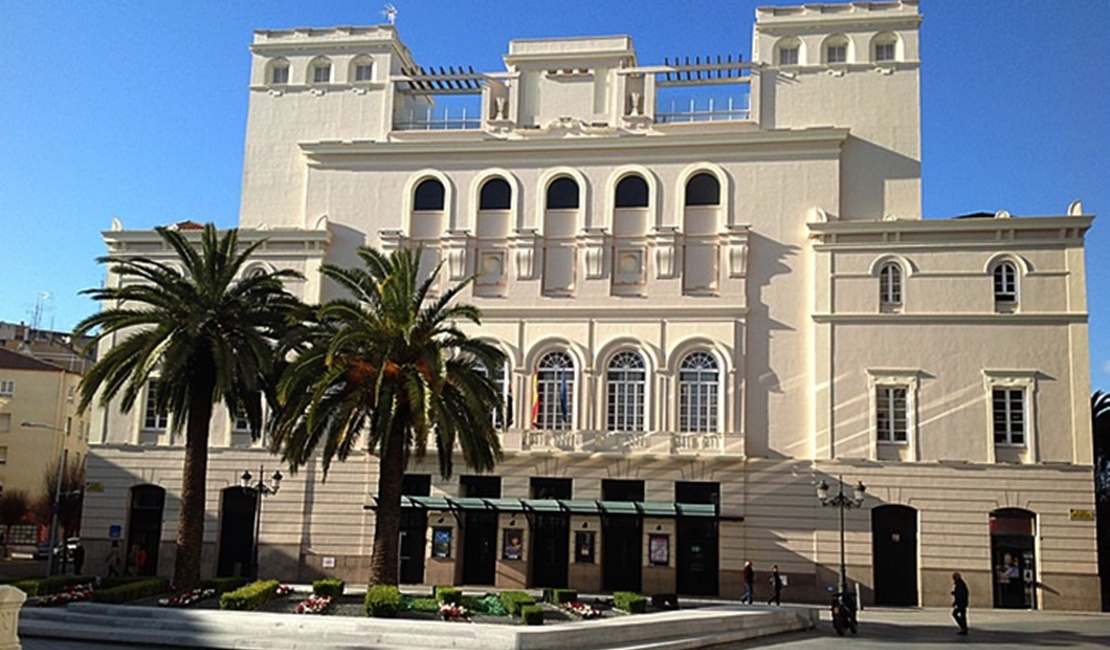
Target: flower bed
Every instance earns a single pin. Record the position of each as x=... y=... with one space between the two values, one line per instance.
x=454 y=612
x=187 y=598
x=582 y=610
x=71 y=594
x=313 y=605
x=283 y=590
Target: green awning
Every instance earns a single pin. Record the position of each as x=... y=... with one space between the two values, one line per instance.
x=696 y=509
x=619 y=507
x=657 y=509
x=469 y=503
x=505 y=505
x=580 y=506
x=545 y=506
x=569 y=506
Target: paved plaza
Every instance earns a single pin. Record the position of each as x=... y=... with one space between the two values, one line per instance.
x=880 y=628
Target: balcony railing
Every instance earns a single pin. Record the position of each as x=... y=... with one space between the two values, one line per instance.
x=434 y=119
x=709 y=111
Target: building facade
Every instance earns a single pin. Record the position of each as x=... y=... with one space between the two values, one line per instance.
x=715 y=290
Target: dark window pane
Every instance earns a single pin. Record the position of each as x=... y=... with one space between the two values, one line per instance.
x=429 y=195
x=496 y=195
x=632 y=192
x=562 y=194
x=703 y=189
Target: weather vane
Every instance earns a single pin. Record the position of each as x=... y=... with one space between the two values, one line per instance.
x=390 y=13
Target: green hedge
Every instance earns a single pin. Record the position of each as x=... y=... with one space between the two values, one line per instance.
x=131 y=590
x=515 y=600
x=532 y=614
x=328 y=587
x=446 y=594
x=250 y=596
x=46 y=586
x=225 y=584
x=559 y=596
x=415 y=604
x=383 y=601
x=630 y=601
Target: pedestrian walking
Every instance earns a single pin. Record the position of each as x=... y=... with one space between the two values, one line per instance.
x=114 y=560
x=749 y=583
x=78 y=559
x=959 y=602
x=776 y=586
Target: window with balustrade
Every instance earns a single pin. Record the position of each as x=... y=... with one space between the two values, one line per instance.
x=698 y=387
x=625 y=387
x=154 y=418
x=553 y=392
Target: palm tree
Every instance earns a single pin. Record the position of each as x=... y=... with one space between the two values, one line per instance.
x=207 y=332
x=390 y=364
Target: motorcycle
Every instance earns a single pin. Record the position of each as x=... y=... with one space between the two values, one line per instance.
x=844 y=613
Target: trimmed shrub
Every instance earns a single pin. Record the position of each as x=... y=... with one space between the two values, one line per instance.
x=250 y=596
x=532 y=614
x=448 y=595
x=46 y=586
x=488 y=604
x=414 y=604
x=515 y=600
x=630 y=601
x=225 y=584
x=383 y=601
x=665 y=601
x=131 y=590
x=328 y=587
x=559 y=596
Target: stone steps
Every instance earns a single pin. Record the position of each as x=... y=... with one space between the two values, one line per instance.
x=678 y=630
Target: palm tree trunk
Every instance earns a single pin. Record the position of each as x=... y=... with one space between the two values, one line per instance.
x=190 y=525
x=387 y=519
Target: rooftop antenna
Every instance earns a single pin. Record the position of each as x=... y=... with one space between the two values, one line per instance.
x=390 y=13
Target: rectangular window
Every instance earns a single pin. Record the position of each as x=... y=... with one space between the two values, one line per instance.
x=321 y=74
x=7 y=387
x=788 y=56
x=884 y=52
x=242 y=423
x=153 y=419
x=280 y=75
x=1008 y=406
x=891 y=420
x=836 y=54
x=3 y=455
x=5 y=422
x=364 y=72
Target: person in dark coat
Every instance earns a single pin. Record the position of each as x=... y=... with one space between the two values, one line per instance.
x=959 y=602
x=78 y=559
x=776 y=586
x=749 y=583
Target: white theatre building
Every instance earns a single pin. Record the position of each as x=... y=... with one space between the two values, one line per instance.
x=714 y=284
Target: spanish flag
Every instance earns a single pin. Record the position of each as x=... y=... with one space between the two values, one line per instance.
x=536 y=400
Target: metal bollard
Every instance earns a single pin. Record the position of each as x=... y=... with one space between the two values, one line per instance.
x=11 y=600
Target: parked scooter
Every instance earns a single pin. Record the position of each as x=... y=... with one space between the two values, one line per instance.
x=844 y=613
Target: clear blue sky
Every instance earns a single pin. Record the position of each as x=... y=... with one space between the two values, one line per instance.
x=137 y=109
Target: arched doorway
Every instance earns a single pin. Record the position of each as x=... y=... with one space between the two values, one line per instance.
x=236 y=531
x=1013 y=558
x=145 y=527
x=894 y=555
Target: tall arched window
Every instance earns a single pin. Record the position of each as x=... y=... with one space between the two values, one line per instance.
x=1005 y=284
x=562 y=194
x=625 y=381
x=496 y=194
x=632 y=192
x=890 y=286
x=429 y=195
x=553 y=392
x=703 y=189
x=698 y=381
x=503 y=417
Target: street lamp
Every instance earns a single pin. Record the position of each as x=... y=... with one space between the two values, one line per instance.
x=26 y=424
x=842 y=502
x=261 y=489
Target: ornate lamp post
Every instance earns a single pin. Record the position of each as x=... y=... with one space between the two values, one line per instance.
x=842 y=502
x=260 y=489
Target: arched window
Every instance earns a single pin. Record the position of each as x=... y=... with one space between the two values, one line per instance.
x=502 y=418
x=703 y=189
x=835 y=49
x=319 y=71
x=496 y=194
x=429 y=195
x=632 y=192
x=562 y=194
x=698 y=380
x=625 y=381
x=553 y=398
x=884 y=47
x=788 y=51
x=279 y=72
x=890 y=286
x=1005 y=284
x=362 y=69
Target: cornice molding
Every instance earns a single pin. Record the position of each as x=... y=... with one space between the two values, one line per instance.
x=1073 y=318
